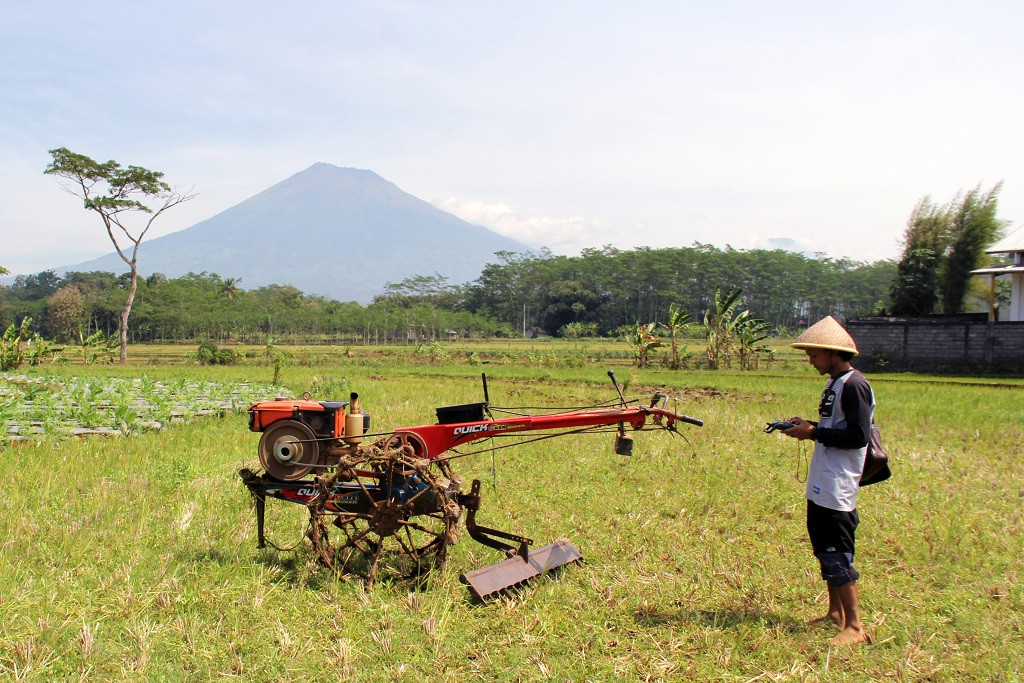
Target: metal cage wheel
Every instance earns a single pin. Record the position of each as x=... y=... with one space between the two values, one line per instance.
x=404 y=535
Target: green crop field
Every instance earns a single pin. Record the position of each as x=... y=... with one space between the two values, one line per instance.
x=133 y=556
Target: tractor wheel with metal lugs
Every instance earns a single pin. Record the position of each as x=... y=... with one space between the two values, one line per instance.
x=288 y=449
x=407 y=529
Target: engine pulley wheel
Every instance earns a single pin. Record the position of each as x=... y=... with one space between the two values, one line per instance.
x=287 y=450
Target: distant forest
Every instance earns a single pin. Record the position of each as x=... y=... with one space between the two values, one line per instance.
x=598 y=292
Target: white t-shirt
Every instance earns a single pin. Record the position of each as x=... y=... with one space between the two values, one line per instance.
x=833 y=477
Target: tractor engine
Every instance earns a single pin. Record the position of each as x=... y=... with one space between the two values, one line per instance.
x=300 y=435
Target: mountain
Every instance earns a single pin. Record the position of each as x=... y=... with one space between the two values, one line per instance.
x=339 y=232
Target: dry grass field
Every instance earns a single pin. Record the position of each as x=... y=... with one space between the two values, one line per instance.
x=134 y=557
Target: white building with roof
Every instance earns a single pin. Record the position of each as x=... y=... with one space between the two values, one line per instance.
x=1013 y=246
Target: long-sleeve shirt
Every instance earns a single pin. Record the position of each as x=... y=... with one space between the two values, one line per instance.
x=857 y=405
x=841 y=439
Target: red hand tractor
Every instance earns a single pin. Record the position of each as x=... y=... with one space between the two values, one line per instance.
x=393 y=498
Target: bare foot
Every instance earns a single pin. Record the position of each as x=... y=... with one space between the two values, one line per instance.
x=851 y=635
x=833 y=619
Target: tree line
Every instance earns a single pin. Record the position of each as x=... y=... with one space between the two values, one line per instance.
x=598 y=293
x=603 y=290
x=207 y=306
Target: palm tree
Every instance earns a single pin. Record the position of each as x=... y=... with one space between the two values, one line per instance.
x=230 y=287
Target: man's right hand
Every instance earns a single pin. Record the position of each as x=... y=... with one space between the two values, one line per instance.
x=801 y=429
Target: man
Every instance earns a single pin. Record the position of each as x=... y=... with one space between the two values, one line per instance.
x=840 y=442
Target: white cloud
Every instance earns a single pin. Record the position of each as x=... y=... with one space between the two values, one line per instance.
x=797 y=245
x=566 y=235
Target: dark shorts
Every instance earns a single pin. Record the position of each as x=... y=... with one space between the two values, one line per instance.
x=832 y=535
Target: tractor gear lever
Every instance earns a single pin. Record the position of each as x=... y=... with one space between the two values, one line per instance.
x=616 y=384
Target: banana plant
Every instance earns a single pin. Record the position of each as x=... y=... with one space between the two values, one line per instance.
x=96 y=347
x=678 y=319
x=720 y=328
x=730 y=331
x=643 y=341
x=12 y=354
x=126 y=414
x=751 y=331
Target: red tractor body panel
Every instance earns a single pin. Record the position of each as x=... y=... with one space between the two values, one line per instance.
x=430 y=441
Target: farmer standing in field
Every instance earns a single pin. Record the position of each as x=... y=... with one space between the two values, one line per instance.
x=840 y=442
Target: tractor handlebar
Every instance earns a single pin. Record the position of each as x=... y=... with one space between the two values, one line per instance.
x=661 y=398
x=430 y=441
x=675 y=417
x=691 y=420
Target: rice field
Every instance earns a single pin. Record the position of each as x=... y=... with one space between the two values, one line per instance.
x=133 y=556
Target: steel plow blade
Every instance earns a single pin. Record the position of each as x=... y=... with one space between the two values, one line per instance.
x=489 y=582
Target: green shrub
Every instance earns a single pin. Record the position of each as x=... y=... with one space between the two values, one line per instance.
x=209 y=354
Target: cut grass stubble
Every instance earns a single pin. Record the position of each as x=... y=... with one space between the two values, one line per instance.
x=135 y=558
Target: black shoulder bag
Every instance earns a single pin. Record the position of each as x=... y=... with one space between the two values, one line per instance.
x=876 y=461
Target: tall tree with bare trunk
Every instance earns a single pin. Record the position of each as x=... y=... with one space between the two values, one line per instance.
x=941 y=246
x=115 y=192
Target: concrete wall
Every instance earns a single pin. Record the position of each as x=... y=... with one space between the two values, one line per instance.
x=938 y=344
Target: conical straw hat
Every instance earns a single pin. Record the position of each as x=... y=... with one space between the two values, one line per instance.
x=827 y=333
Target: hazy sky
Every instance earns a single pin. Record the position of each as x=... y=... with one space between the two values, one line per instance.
x=564 y=124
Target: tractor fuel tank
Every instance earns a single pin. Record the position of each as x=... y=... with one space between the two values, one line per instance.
x=266 y=413
x=325 y=418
